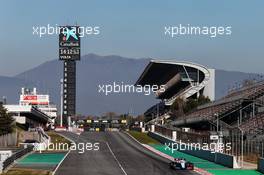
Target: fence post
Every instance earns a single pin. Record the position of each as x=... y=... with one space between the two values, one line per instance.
x=174 y=135
x=152 y=128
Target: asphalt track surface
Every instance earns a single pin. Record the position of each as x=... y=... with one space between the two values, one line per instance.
x=118 y=155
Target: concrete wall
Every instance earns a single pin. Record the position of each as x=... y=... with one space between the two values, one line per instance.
x=26 y=135
x=261 y=165
x=209 y=89
x=223 y=159
x=8 y=140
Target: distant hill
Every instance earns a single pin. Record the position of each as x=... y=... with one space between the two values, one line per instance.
x=93 y=70
x=229 y=79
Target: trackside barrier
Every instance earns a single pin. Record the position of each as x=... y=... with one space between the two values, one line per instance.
x=138 y=129
x=261 y=165
x=219 y=158
x=12 y=158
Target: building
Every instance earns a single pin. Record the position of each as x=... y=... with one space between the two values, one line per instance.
x=33 y=109
x=180 y=79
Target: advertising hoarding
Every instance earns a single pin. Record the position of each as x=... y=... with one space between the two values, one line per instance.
x=34 y=99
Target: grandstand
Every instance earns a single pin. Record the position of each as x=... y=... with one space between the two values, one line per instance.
x=254 y=126
x=181 y=79
x=237 y=118
x=233 y=110
x=189 y=80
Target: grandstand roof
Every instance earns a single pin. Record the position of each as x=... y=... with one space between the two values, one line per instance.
x=176 y=75
x=159 y=72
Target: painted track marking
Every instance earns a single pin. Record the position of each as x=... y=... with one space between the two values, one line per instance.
x=123 y=170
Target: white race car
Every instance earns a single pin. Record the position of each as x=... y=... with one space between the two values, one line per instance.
x=181 y=164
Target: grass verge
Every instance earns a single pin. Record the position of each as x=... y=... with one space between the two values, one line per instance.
x=20 y=171
x=56 y=138
x=143 y=137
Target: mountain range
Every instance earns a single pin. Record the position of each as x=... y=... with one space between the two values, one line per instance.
x=94 y=70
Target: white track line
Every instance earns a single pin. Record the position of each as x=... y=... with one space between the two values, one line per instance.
x=53 y=173
x=65 y=137
x=116 y=159
x=57 y=167
x=133 y=138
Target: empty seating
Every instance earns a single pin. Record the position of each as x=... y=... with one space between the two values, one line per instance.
x=227 y=104
x=254 y=125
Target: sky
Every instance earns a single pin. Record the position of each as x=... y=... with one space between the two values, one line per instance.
x=135 y=29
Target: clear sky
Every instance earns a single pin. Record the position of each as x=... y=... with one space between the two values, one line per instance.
x=135 y=29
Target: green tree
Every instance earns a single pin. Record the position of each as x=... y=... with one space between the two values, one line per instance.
x=109 y=115
x=6 y=121
x=203 y=100
x=191 y=103
x=178 y=106
x=181 y=106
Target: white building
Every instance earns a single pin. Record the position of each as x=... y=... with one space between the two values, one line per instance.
x=33 y=109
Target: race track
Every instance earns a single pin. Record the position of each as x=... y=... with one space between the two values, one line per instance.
x=118 y=155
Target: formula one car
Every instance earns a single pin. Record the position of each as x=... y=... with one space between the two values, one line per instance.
x=181 y=164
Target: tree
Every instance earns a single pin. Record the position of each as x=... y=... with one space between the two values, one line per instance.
x=194 y=103
x=190 y=105
x=109 y=115
x=90 y=117
x=203 y=100
x=140 y=118
x=181 y=106
x=178 y=106
x=6 y=121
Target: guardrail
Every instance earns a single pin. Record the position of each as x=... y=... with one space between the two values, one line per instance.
x=261 y=165
x=17 y=155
